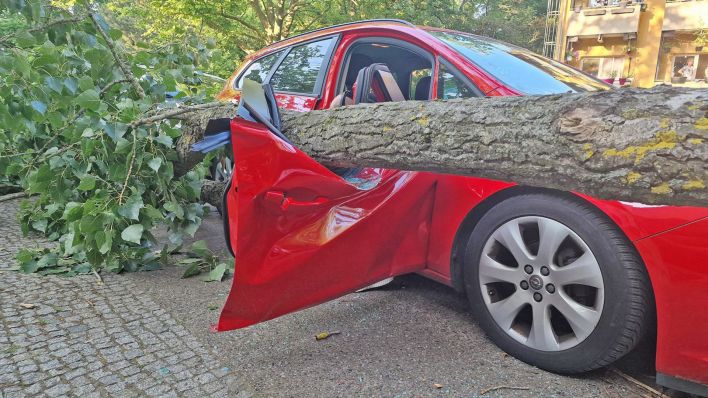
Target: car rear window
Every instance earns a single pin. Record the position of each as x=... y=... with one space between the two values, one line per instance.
x=299 y=70
x=520 y=69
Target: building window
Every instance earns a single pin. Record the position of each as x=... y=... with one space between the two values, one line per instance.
x=684 y=67
x=603 y=68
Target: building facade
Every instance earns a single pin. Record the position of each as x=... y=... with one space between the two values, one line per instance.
x=639 y=43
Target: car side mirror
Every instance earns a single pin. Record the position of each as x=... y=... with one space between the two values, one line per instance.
x=258 y=104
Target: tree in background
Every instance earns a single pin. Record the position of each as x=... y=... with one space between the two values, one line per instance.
x=243 y=26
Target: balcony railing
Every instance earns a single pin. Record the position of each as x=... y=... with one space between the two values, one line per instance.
x=604 y=20
x=592 y=4
x=686 y=15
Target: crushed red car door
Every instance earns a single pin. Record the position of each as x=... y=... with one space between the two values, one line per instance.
x=305 y=235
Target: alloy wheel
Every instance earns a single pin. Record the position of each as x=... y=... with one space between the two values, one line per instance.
x=541 y=283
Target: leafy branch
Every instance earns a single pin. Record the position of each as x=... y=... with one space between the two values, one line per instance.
x=84 y=129
x=119 y=60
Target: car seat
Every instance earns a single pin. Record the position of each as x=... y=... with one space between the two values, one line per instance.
x=376 y=83
x=422 y=89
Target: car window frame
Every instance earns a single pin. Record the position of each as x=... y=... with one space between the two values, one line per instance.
x=384 y=40
x=321 y=75
x=441 y=61
x=253 y=61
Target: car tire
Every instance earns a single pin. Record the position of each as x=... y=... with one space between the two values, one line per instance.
x=539 y=333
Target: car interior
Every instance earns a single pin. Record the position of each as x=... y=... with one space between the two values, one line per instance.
x=382 y=72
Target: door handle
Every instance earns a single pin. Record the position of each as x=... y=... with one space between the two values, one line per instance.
x=285 y=203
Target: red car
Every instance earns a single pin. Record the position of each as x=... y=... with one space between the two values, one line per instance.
x=563 y=281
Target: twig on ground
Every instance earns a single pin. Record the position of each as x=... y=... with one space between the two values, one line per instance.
x=490 y=389
x=12 y=196
x=98 y=276
x=638 y=383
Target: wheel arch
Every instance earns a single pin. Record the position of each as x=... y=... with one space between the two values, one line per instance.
x=472 y=218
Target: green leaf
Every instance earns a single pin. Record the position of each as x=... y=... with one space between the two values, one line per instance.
x=29 y=267
x=115 y=130
x=89 y=99
x=71 y=84
x=22 y=66
x=131 y=208
x=132 y=233
x=25 y=255
x=87 y=183
x=40 y=225
x=25 y=39
x=115 y=34
x=175 y=208
x=104 y=241
x=192 y=270
x=164 y=140
x=48 y=260
x=200 y=249
x=85 y=83
x=53 y=83
x=73 y=211
x=155 y=163
x=217 y=274
x=39 y=106
x=187 y=261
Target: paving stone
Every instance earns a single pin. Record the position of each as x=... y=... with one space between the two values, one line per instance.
x=88 y=340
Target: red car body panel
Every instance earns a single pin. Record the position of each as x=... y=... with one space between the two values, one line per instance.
x=303 y=235
x=316 y=226
x=677 y=261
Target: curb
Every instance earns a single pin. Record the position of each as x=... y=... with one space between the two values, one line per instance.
x=11 y=196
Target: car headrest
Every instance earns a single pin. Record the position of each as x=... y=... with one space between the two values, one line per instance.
x=422 y=89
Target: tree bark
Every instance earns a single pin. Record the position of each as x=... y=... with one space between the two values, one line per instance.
x=212 y=193
x=193 y=125
x=645 y=146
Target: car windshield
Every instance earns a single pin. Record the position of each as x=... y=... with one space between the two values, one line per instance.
x=520 y=69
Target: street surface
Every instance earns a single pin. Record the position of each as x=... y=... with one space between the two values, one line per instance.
x=147 y=334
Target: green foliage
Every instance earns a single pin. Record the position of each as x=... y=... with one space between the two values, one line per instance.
x=169 y=22
x=239 y=27
x=202 y=260
x=242 y=26
x=69 y=134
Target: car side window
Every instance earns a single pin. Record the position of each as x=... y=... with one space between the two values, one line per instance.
x=299 y=70
x=452 y=84
x=258 y=70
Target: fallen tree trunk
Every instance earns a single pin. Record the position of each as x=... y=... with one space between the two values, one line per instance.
x=212 y=193
x=193 y=126
x=645 y=146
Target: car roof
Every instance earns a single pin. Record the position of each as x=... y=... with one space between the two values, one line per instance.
x=391 y=24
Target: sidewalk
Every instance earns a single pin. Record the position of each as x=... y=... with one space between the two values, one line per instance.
x=74 y=336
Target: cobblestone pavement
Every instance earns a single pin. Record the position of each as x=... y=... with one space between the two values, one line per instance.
x=76 y=337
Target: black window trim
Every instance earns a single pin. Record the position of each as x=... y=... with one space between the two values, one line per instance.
x=385 y=40
x=444 y=62
x=321 y=75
